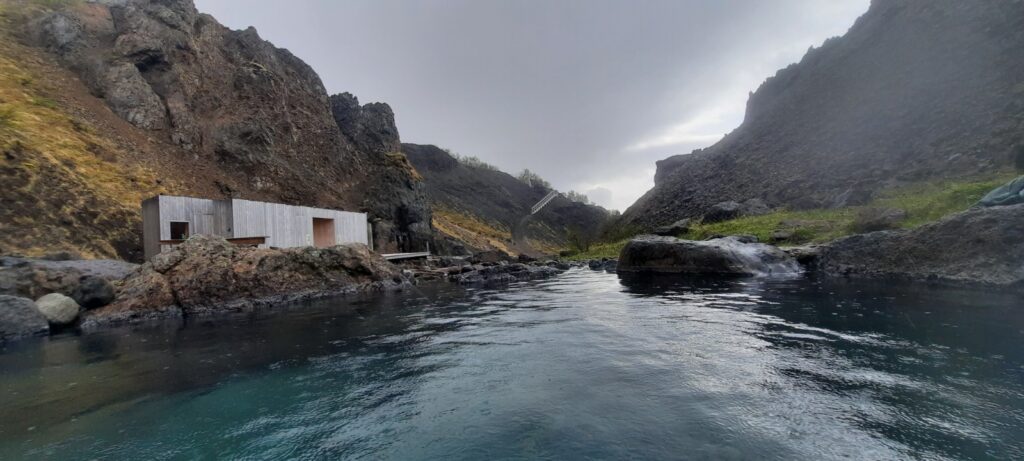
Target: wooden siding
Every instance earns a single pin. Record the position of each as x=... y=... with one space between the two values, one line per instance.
x=151 y=227
x=292 y=226
x=204 y=216
x=283 y=225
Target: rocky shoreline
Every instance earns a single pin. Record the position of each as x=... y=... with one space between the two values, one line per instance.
x=980 y=247
x=207 y=275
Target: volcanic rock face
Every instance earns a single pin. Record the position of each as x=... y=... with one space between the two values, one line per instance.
x=254 y=112
x=916 y=90
x=207 y=274
x=370 y=127
x=982 y=245
x=728 y=256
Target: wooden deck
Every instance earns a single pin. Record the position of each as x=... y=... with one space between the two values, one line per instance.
x=397 y=256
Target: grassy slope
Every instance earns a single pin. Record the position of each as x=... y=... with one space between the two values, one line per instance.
x=61 y=182
x=468 y=228
x=923 y=203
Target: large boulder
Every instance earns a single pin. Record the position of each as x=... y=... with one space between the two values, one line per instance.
x=93 y=292
x=58 y=309
x=207 y=274
x=983 y=245
x=723 y=211
x=19 y=318
x=727 y=256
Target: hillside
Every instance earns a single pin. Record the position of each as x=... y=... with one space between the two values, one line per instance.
x=104 y=104
x=915 y=91
x=488 y=209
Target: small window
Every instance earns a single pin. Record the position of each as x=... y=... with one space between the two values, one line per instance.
x=179 y=230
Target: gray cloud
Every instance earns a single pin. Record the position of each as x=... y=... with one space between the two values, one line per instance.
x=588 y=93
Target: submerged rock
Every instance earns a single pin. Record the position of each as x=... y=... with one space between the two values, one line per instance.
x=19 y=318
x=208 y=274
x=603 y=264
x=722 y=256
x=58 y=309
x=503 y=273
x=983 y=245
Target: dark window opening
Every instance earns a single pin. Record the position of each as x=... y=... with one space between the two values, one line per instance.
x=179 y=230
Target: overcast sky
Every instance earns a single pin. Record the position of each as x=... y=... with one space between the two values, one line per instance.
x=587 y=93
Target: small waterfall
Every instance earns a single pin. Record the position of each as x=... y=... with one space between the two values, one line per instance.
x=762 y=260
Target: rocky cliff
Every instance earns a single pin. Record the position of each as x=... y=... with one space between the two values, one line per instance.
x=488 y=209
x=916 y=90
x=203 y=110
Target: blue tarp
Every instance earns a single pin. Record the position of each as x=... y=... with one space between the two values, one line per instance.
x=1010 y=193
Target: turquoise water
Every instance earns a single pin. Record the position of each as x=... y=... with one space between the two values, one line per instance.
x=581 y=366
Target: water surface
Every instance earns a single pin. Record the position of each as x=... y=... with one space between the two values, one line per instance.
x=581 y=366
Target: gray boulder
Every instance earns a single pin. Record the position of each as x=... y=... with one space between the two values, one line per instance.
x=723 y=211
x=19 y=318
x=58 y=309
x=982 y=245
x=726 y=256
x=93 y=292
x=679 y=227
x=754 y=207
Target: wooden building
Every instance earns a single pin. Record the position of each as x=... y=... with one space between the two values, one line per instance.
x=167 y=220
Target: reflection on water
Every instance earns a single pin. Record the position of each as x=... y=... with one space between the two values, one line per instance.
x=585 y=365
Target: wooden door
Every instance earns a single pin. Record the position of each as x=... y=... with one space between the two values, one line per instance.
x=323 y=232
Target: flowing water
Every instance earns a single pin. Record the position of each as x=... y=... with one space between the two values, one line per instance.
x=581 y=366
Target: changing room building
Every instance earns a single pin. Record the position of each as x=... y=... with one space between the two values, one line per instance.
x=168 y=220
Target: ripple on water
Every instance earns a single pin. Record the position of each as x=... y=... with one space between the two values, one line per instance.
x=581 y=366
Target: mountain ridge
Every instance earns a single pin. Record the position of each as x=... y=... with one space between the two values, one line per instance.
x=914 y=91
x=491 y=208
